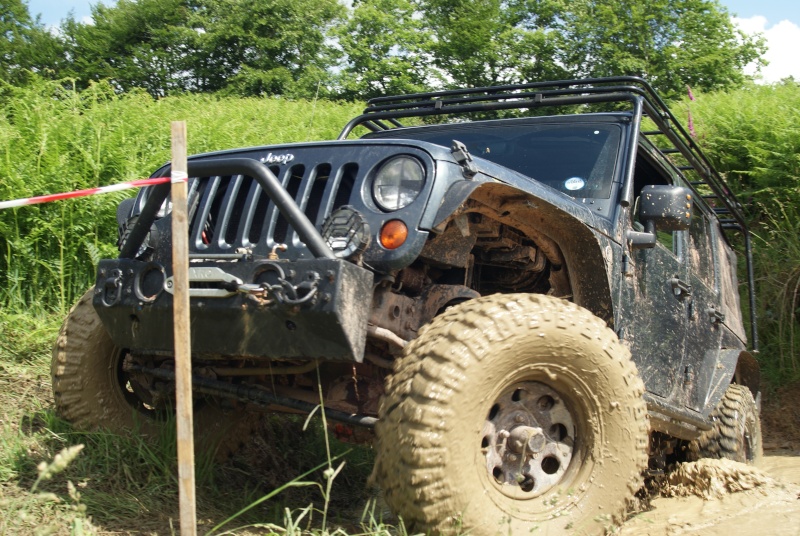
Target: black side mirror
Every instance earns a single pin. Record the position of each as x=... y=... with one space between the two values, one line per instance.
x=662 y=207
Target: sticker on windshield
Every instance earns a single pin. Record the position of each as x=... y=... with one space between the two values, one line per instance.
x=575 y=183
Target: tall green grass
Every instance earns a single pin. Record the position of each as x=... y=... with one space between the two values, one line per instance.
x=54 y=139
x=753 y=137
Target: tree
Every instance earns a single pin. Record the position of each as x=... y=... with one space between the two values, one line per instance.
x=246 y=47
x=387 y=50
x=301 y=48
x=256 y=47
x=671 y=43
x=26 y=45
x=495 y=41
x=136 y=43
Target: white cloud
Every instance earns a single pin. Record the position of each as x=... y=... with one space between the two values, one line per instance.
x=783 y=42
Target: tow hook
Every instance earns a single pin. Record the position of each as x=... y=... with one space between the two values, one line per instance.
x=112 y=288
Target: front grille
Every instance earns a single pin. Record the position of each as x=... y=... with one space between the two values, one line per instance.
x=232 y=212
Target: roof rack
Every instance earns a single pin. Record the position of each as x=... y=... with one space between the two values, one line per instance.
x=383 y=113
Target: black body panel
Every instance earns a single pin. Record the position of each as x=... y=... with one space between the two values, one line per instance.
x=137 y=311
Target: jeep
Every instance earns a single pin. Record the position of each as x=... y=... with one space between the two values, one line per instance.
x=525 y=295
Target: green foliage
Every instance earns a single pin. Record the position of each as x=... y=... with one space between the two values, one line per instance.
x=753 y=137
x=242 y=47
x=494 y=42
x=252 y=47
x=384 y=47
x=671 y=43
x=25 y=44
x=470 y=44
x=133 y=44
x=304 y=48
x=58 y=140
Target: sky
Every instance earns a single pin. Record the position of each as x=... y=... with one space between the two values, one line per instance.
x=777 y=20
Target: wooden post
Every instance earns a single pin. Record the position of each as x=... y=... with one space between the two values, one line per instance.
x=183 y=347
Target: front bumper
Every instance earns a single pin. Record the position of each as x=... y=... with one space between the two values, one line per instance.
x=316 y=309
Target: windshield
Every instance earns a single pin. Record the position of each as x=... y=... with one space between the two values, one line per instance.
x=577 y=158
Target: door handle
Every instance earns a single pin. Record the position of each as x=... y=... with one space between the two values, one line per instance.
x=681 y=289
x=715 y=315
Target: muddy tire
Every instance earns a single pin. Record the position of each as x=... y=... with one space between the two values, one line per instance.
x=93 y=392
x=736 y=434
x=509 y=414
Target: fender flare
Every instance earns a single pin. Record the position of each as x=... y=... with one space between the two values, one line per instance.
x=734 y=365
x=567 y=241
x=748 y=373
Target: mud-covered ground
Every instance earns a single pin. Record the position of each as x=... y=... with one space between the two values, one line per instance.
x=728 y=499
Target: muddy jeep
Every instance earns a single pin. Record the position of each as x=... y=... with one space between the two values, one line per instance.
x=528 y=292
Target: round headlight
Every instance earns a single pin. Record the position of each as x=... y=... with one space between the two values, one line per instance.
x=398 y=182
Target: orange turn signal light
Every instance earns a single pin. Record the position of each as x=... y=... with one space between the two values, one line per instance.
x=393 y=234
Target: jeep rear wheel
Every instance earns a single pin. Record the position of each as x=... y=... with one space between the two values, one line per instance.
x=736 y=434
x=92 y=391
x=511 y=413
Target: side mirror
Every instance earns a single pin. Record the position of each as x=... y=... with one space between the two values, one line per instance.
x=662 y=207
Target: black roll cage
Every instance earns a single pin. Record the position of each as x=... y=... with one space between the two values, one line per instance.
x=383 y=113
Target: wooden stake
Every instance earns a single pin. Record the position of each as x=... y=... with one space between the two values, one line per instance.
x=183 y=346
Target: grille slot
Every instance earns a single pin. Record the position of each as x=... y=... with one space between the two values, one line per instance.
x=292 y=182
x=258 y=216
x=233 y=211
x=318 y=183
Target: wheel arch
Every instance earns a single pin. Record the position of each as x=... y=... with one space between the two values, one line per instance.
x=748 y=373
x=567 y=241
x=732 y=365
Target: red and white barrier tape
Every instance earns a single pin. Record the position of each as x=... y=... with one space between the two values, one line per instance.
x=83 y=193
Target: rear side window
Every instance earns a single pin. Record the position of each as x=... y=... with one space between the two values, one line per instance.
x=701 y=254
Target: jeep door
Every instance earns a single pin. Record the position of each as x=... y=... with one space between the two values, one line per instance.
x=703 y=333
x=659 y=294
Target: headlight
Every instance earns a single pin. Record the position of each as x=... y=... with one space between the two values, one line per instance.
x=398 y=182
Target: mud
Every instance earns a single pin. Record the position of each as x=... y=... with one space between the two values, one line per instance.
x=720 y=497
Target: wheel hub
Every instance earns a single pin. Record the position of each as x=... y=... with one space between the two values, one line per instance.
x=528 y=440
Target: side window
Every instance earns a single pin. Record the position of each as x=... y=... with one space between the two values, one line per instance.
x=645 y=173
x=669 y=239
x=701 y=254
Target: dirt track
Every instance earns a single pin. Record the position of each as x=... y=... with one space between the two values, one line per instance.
x=770 y=507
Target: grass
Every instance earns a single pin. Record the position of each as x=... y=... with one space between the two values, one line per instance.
x=126 y=485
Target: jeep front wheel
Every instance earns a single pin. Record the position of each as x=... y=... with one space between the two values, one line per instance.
x=512 y=413
x=92 y=391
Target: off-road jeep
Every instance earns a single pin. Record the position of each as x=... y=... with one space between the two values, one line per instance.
x=532 y=311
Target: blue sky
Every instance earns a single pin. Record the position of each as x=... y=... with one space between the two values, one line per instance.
x=777 y=20
x=53 y=11
x=773 y=10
